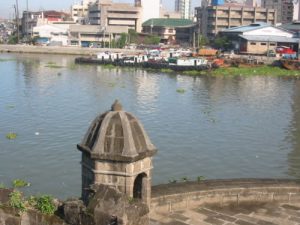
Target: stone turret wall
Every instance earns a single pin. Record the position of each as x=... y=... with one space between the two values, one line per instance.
x=189 y=195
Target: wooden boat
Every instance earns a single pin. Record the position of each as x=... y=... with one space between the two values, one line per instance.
x=290 y=64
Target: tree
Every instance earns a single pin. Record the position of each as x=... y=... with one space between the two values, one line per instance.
x=152 y=40
x=132 y=36
x=221 y=43
x=202 y=41
x=121 y=42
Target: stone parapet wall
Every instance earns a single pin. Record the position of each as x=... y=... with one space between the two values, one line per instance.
x=189 y=195
x=62 y=50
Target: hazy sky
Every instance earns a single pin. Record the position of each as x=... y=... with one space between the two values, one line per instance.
x=7 y=10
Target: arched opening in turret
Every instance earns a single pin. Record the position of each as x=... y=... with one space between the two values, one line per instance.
x=139 y=188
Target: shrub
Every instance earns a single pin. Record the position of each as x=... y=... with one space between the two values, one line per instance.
x=44 y=204
x=16 y=201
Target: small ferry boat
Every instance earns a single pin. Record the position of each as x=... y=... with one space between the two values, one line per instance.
x=180 y=64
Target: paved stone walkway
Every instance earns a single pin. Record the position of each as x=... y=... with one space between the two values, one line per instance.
x=259 y=214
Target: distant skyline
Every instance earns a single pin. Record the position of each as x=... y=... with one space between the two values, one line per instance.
x=7 y=10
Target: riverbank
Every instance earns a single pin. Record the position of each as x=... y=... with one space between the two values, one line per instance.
x=265 y=70
x=247 y=71
x=63 y=50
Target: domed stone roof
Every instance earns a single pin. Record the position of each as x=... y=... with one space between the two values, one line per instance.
x=118 y=136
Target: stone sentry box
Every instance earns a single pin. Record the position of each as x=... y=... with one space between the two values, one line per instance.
x=116 y=151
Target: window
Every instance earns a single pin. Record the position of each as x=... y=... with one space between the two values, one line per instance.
x=263 y=43
x=252 y=43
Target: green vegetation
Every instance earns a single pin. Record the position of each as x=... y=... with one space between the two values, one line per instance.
x=109 y=66
x=6 y=60
x=184 y=179
x=44 y=204
x=221 y=43
x=11 y=136
x=172 y=181
x=53 y=66
x=10 y=106
x=180 y=90
x=131 y=200
x=152 y=40
x=18 y=183
x=2 y=186
x=17 y=201
x=166 y=71
x=200 y=178
x=202 y=41
x=254 y=71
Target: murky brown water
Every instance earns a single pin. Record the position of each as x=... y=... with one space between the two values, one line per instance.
x=217 y=128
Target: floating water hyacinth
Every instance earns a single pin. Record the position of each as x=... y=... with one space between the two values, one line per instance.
x=11 y=136
x=180 y=90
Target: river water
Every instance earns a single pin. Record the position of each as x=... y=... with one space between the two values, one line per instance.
x=221 y=127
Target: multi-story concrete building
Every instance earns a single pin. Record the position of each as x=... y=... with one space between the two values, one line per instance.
x=166 y=28
x=79 y=12
x=212 y=19
x=184 y=8
x=150 y=8
x=32 y=19
x=285 y=9
x=109 y=14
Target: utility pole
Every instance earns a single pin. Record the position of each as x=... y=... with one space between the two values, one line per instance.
x=27 y=22
x=17 y=20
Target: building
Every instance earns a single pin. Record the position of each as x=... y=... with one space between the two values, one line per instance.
x=117 y=152
x=285 y=9
x=165 y=28
x=251 y=3
x=52 y=34
x=80 y=12
x=94 y=35
x=212 y=19
x=106 y=13
x=169 y=14
x=259 y=38
x=184 y=8
x=217 y=2
x=150 y=9
x=32 y=19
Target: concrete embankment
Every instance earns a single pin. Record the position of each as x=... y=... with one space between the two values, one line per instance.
x=61 y=50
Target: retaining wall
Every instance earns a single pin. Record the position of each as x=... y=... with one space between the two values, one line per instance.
x=189 y=195
x=67 y=50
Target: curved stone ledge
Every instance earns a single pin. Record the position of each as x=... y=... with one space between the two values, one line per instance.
x=188 y=195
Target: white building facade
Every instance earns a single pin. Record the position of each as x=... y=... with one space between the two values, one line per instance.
x=150 y=8
x=184 y=8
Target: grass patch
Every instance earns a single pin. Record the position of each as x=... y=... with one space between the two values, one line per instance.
x=180 y=90
x=10 y=106
x=166 y=71
x=16 y=201
x=6 y=60
x=254 y=71
x=11 y=136
x=54 y=66
x=109 y=66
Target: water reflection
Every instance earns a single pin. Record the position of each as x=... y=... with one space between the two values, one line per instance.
x=218 y=128
x=294 y=134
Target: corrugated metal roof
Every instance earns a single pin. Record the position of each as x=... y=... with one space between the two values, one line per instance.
x=294 y=26
x=242 y=29
x=270 y=38
x=159 y=22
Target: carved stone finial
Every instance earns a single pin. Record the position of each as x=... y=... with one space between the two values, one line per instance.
x=117 y=106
